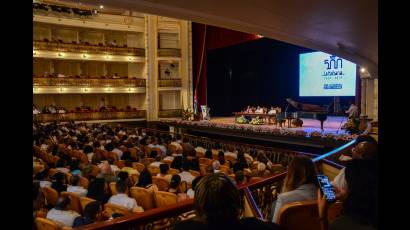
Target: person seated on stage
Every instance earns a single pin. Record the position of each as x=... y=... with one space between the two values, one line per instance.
x=272 y=110
x=248 y=109
x=259 y=110
x=52 y=109
x=353 y=110
x=35 y=110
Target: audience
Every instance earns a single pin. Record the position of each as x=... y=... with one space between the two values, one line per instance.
x=122 y=199
x=58 y=182
x=91 y=211
x=145 y=181
x=75 y=187
x=185 y=174
x=61 y=215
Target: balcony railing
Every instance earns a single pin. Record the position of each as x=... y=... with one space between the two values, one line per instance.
x=99 y=49
x=169 y=113
x=89 y=82
x=86 y=116
x=167 y=52
x=169 y=83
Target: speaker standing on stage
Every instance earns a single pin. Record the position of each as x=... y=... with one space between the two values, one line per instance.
x=353 y=110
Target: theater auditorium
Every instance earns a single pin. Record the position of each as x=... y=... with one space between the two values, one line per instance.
x=186 y=114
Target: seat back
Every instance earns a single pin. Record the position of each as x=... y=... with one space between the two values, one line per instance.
x=84 y=201
x=299 y=215
x=161 y=183
x=168 y=162
x=120 y=164
x=144 y=197
x=203 y=168
x=84 y=182
x=113 y=208
x=154 y=170
x=113 y=189
x=138 y=166
x=75 y=204
x=225 y=169
x=164 y=198
x=183 y=187
x=205 y=161
x=194 y=173
x=45 y=224
x=51 y=195
x=173 y=171
x=95 y=170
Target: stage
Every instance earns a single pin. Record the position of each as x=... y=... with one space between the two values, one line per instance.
x=309 y=136
x=332 y=125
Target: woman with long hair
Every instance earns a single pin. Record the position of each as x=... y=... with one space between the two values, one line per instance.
x=300 y=184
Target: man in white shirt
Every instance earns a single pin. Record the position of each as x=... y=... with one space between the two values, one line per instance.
x=35 y=110
x=353 y=111
x=185 y=174
x=122 y=199
x=215 y=166
x=75 y=187
x=60 y=214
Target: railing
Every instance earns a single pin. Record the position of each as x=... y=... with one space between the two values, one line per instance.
x=169 y=83
x=168 y=52
x=99 y=49
x=89 y=82
x=258 y=195
x=86 y=116
x=169 y=113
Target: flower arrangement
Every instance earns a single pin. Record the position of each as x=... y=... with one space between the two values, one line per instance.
x=256 y=121
x=188 y=114
x=351 y=126
x=242 y=120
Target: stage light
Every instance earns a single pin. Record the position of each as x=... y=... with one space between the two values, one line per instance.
x=129 y=89
x=85 y=89
x=129 y=58
x=108 y=89
x=84 y=55
x=107 y=57
x=61 y=89
x=101 y=7
x=34 y=52
x=35 y=89
x=60 y=54
x=362 y=70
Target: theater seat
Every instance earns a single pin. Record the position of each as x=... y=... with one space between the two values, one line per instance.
x=113 y=189
x=144 y=197
x=195 y=173
x=84 y=201
x=138 y=166
x=51 y=196
x=173 y=171
x=161 y=183
x=75 y=204
x=154 y=170
x=299 y=215
x=45 y=224
x=112 y=208
x=163 y=199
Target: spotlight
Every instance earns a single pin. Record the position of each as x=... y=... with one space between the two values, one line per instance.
x=101 y=7
x=362 y=70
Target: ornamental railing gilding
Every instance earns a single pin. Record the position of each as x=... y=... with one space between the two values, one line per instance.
x=169 y=82
x=86 y=116
x=168 y=52
x=82 y=48
x=89 y=82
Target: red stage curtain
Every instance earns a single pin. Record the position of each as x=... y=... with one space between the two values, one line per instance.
x=206 y=37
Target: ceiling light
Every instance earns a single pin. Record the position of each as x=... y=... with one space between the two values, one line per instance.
x=60 y=54
x=84 y=55
x=34 y=52
x=362 y=70
x=101 y=7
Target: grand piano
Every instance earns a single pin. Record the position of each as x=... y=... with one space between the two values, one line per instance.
x=304 y=111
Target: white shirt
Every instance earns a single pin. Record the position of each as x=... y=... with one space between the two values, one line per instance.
x=353 y=111
x=169 y=158
x=45 y=183
x=186 y=176
x=177 y=145
x=123 y=200
x=340 y=180
x=80 y=191
x=155 y=164
x=118 y=152
x=90 y=156
x=35 y=111
x=62 y=218
x=200 y=149
x=190 y=193
x=63 y=170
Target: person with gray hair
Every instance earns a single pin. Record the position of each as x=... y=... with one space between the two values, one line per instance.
x=216 y=166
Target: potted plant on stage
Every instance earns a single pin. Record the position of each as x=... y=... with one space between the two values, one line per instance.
x=241 y=120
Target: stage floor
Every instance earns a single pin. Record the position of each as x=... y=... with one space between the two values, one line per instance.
x=332 y=124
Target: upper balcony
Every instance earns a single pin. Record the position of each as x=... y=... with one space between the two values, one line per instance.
x=88 y=48
x=169 y=53
x=169 y=83
x=88 y=82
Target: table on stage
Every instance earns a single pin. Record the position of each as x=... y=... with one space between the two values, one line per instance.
x=261 y=115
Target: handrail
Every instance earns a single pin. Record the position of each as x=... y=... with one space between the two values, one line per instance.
x=337 y=150
x=254 y=207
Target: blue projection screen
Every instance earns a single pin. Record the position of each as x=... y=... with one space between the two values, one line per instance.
x=322 y=74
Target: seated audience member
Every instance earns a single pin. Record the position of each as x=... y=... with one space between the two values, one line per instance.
x=129 y=169
x=260 y=171
x=89 y=151
x=91 y=211
x=75 y=187
x=174 y=184
x=208 y=154
x=58 y=182
x=177 y=145
x=177 y=163
x=157 y=161
x=41 y=177
x=116 y=150
x=272 y=110
x=145 y=181
x=241 y=162
x=300 y=184
x=185 y=174
x=360 y=200
x=75 y=167
x=35 y=110
x=188 y=149
x=97 y=189
x=191 y=192
x=163 y=172
x=194 y=164
x=107 y=173
x=259 y=110
x=61 y=214
x=60 y=166
x=218 y=205
x=363 y=150
x=216 y=166
x=239 y=177
x=168 y=157
x=38 y=199
x=124 y=176
x=221 y=157
x=122 y=199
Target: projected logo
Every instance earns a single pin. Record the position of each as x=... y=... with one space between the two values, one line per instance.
x=332 y=69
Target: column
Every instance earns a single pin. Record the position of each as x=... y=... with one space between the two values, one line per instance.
x=186 y=64
x=151 y=42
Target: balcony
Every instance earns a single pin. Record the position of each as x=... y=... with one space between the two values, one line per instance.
x=82 y=48
x=169 y=52
x=169 y=113
x=87 y=116
x=88 y=82
x=169 y=83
